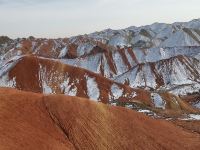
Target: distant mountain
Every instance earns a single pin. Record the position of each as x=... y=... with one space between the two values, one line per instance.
x=156 y=59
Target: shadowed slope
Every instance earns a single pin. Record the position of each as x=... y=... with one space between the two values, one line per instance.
x=34 y=121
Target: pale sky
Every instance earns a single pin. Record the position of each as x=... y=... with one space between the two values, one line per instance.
x=65 y=18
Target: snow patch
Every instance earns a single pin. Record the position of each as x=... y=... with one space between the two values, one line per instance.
x=185 y=89
x=121 y=67
x=191 y=117
x=144 y=111
x=68 y=89
x=158 y=101
x=63 y=52
x=116 y=91
x=6 y=82
x=197 y=105
x=46 y=89
x=92 y=88
x=148 y=113
x=180 y=38
x=194 y=116
x=19 y=45
x=84 y=48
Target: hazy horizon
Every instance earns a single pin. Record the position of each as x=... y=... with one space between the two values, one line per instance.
x=53 y=19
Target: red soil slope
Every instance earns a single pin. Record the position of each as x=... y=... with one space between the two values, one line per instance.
x=36 y=74
x=30 y=72
x=34 y=121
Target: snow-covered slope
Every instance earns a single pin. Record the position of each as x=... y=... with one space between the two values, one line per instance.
x=159 y=57
x=180 y=75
